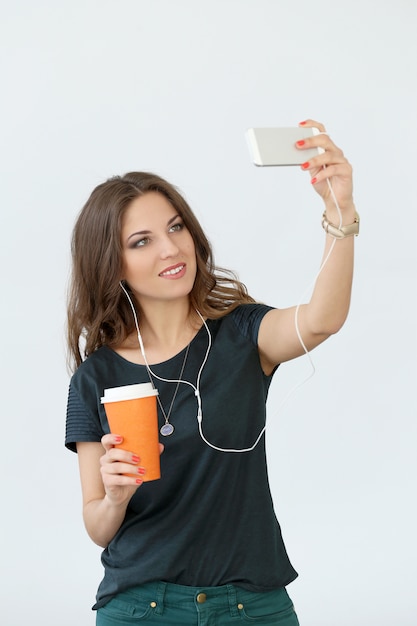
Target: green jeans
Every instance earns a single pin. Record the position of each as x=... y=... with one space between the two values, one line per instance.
x=165 y=604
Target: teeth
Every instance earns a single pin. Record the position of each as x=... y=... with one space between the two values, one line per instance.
x=174 y=271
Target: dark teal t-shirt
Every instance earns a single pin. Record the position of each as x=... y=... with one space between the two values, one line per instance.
x=209 y=520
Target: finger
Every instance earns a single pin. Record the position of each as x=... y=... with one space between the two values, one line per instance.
x=324 y=160
x=322 y=141
x=312 y=123
x=113 y=482
x=119 y=468
x=342 y=171
x=117 y=455
x=110 y=440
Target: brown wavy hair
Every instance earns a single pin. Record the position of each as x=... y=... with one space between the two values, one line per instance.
x=98 y=312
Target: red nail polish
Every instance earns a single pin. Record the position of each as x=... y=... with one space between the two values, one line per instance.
x=306 y=165
x=301 y=142
x=139 y=481
x=141 y=470
x=135 y=458
x=302 y=123
x=313 y=180
x=118 y=439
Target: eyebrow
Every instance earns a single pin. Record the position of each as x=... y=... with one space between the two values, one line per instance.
x=147 y=232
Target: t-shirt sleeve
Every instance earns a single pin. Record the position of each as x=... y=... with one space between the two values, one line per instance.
x=81 y=424
x=248 y=318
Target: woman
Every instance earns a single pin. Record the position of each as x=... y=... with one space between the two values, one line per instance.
x=148 y=305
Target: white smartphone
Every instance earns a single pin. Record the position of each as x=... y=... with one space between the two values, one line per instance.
x=276 y=146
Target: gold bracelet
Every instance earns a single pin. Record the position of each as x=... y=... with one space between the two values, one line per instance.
x=343 y=231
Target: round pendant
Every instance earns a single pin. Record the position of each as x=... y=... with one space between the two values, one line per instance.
x=167 y=429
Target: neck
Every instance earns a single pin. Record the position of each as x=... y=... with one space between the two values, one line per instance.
x=165 y=328
x=168 y=324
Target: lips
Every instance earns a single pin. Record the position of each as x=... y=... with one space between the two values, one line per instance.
x=173 y=271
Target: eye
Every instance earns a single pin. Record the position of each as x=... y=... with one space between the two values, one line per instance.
x=140 y=242
x=176 y=227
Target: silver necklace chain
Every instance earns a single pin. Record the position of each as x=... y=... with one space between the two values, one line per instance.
x=167 y=428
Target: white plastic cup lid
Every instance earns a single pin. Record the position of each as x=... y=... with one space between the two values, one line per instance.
x=128 y=392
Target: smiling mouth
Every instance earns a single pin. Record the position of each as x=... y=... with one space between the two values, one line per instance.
x=173 y=271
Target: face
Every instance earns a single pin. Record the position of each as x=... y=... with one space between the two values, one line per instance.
x=158 y=250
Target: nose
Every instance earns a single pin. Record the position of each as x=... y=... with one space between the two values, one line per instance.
x=168 y=248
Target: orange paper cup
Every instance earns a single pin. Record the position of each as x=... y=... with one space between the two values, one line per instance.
x=132 y=413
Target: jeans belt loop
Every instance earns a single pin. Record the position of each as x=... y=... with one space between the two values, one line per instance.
x=160 y=596
x=231 y=592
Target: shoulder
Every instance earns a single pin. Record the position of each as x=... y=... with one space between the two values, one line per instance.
x=95 y=367
x=248 y=318
x=95 y=360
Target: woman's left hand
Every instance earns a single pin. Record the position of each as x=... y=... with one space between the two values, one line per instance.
x=331 y=164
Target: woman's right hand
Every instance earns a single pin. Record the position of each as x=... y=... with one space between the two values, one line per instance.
x=121 y=471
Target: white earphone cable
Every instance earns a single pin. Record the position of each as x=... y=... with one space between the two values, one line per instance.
x=297 y=309
x=196 y=387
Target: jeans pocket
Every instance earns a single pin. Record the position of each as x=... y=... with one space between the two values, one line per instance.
x=268 y=609
x=123 y=611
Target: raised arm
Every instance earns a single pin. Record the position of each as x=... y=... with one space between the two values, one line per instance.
x=327 y=310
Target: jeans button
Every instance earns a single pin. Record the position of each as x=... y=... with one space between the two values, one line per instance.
x=201 y=598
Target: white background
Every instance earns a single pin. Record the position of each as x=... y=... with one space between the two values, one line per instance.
x=94 y=88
